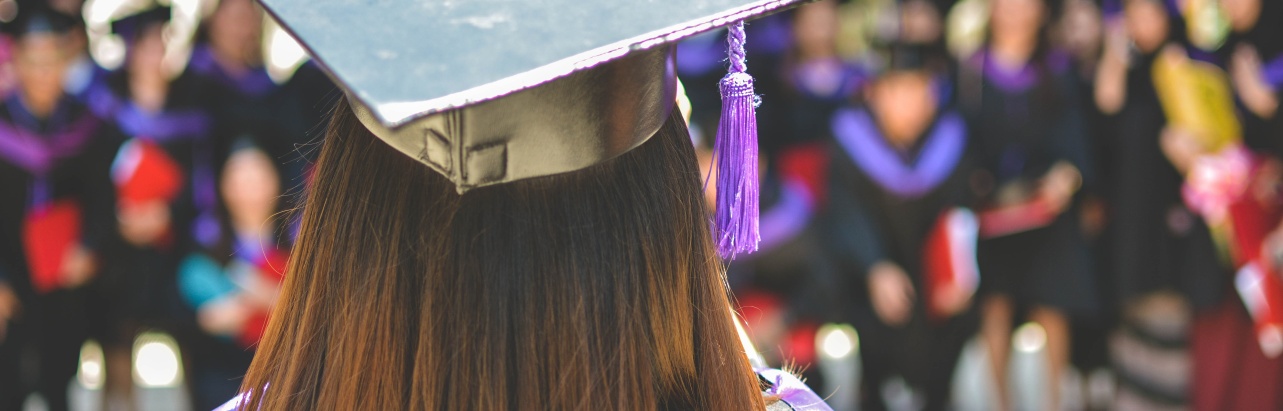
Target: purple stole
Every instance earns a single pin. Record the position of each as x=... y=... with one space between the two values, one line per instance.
x=256 y=83
x=788 y=217
x=38 y=153
x=942 y=149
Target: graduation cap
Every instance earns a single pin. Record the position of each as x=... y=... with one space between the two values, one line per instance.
x=130 y=26
x=492 y=91
x=37 y=17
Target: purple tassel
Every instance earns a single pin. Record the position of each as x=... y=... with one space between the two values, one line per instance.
x=736 y=156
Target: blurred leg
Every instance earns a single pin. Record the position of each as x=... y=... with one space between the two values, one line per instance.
x=995 y=327
x=118 y=390
x=1056 y=326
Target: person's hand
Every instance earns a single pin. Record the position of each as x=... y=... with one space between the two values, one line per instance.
x=1249 y=83
x=78 y=266
x=891 y=292
x=1181 y=147
x=143 y=224
x=1111 y=74
x=9 y=307
x=225 y=316
x=1059 y=185
x=950 y=301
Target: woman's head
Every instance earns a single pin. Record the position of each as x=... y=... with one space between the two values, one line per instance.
x=1147 y=24
x=250 y=185
x=236 y=29
x=596 y=289
x=147 y=51
x=1017 y=19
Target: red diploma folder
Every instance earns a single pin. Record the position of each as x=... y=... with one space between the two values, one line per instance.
x=1015 y=218
x=48 y=233
x=1262 y=293
x=143 y=172
x=949 y=260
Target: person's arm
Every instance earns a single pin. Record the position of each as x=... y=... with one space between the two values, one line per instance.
x=1111 y=74
x=1252 y=82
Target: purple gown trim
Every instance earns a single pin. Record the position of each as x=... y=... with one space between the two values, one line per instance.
x=37 y=153
x=1273 y=71
x=860 y=138
x=255 y=83
x=849 y=79
x=1020 y=79
x=792 y=391
x=168 y=125
x=788 y=217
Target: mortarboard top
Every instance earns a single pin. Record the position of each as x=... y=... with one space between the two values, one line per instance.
x=36 y=17
x=131 y=25
x=426 y=76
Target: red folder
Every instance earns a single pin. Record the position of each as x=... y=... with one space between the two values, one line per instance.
x=48 y=233
x=1262 y=293
x=143 y=172
x=949 y=260
x=1016 y=218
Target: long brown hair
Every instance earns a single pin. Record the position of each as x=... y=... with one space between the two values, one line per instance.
x=597 y=289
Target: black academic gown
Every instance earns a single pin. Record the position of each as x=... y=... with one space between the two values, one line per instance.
x=1153 y=242
x=872 y=216
x=138 y=283
x=79 y=148
x=1021 y=124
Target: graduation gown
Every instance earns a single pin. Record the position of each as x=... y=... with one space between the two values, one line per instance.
x=883 y=203
x=1022 y=123
x=1153 y=241
x=58 y=163
x=139 y=281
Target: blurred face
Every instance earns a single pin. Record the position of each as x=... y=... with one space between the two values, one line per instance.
x=815 y=26
x=920 y=22
x=1017 y=19
x=236 y=28
x=40 y=61
x=148 y=52
x=1243 y=14
x=1146 y=24
x=1081 y=27
x=250 y=186
x=904 y=105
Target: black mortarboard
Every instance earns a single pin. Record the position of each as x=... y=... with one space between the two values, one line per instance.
x=35 y=17
x=443 y=66
x=130 y=26
x=491 y=91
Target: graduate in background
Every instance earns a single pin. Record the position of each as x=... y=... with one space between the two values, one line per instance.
x=1161 y=258
x=165 y=188
x=1029 y=136
x=56 y=211
x=900 y=166
x=1233 y=368
x=232 y=285
x=227 y=59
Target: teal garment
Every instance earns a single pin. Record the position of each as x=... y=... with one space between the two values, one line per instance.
x=201 y=280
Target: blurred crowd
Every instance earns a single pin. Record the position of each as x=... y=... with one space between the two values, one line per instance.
x=153 y=196
x=934 y=170
x=939 y=171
